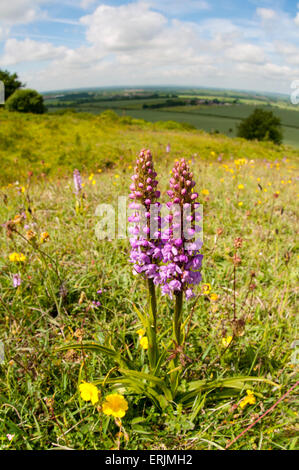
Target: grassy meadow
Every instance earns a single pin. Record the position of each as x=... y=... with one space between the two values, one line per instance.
x=75 y=287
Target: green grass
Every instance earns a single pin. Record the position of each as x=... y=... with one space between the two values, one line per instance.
x=39 y=401
x=50 y=145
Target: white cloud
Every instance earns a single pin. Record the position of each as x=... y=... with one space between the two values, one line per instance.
x=288 y=51
x=4 y=32
x=16 y=52
x=297 y=18
x=19 y=11
x=266 y=13
x=126 y=27
x=249 y=53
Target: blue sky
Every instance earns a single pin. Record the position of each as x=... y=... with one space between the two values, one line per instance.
x=58 y=44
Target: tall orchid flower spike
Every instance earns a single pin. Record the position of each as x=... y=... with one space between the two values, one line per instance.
x=146 y=251
x=181 y=256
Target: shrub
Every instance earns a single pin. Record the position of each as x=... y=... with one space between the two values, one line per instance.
x=26 y=101
x=261 y=125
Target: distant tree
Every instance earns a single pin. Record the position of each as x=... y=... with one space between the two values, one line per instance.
x=26 y=101
x=261 y=125
x=11 y=82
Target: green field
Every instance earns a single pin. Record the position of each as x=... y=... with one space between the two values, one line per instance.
x=220 y=118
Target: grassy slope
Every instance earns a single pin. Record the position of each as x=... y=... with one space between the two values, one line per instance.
x=38 y=399
x=50 y=144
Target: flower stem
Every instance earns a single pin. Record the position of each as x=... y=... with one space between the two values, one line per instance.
x=177 y=321
x=152 y=333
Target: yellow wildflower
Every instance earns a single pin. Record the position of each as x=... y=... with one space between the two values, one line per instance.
x=144 y=342
x=205 y=192
x=248 y=400
x=115 y=405
x=89 y=392
x=116 y=176
x=241 y=186
x=240 y=203
x=140 y=332
x=91 y=177
x=226 y=341
x=213 y=297
x=206 y=288
x=44 y=236
x=17 y=219
x=17 y=258
x=241 y=161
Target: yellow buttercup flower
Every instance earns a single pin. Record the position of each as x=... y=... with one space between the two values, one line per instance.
x=17 y=258
x=115 y=405
x=226 y=341
x=89 y=392
x=241 y=161
x=241 y=186
x=213 y=297
x=248 y=400
x=140 y=332
x=205 y=192
x=240 y=203
x=206 y=288
x=144 y=342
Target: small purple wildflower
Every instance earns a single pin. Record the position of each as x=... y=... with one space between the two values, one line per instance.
x=77 y=181
x=16 y=280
